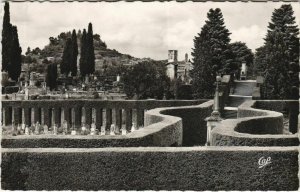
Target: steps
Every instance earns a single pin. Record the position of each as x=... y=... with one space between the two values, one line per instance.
x=229 y=114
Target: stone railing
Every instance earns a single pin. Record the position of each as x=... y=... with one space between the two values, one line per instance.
x=105 y=113
x=254 y=127
x=121 y=114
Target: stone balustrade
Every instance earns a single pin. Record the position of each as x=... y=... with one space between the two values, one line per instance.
x=123 y=114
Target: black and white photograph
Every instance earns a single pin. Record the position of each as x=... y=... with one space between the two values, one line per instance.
x=150 y=96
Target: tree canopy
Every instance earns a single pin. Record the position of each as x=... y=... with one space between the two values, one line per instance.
x=279 y=57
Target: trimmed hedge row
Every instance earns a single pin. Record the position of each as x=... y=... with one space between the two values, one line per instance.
x=254 y=127
x=197 y=168
x=193 y=121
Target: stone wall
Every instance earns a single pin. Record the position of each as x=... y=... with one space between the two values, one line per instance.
x=196 y=168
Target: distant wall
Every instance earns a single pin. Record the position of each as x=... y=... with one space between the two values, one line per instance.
x=254 y=127
x=196 y=168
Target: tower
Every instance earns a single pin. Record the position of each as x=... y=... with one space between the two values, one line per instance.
x=172 y=64
x=172 y=56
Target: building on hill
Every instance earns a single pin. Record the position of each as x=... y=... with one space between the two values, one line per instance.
x=183 y=69
x=178 y=69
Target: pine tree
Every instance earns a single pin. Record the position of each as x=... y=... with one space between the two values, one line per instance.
x=83 y=54
x=74 y=54
x=282 y=54
x=67 y=59
x=90 y=50
x=14 y=69
x=260 y=63
x=6 y=38
x=212 y=54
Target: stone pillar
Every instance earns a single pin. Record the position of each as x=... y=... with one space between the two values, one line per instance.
x=32 y=112
x=83 y=115
x=128 y=120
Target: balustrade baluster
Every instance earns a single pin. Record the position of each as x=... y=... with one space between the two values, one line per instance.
x=83 y=115
x=32 y=112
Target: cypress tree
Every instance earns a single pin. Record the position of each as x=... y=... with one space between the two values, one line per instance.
x=74 y=54
x=51 y=77
x=90 y=50
x=211 y=54
x=6 y=38
x=83 y=54
x=67 y=59
x=14 y=69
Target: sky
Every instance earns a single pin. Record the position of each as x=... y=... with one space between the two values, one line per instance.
x=141 y=29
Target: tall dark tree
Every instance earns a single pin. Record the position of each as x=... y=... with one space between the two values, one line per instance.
x=211 y=54
x=242 y=54
x=73 y=66
x=260 y=62
x=6 y=38
x=281 y=55
x=67 y=59
x=83 y=54
x=90 y=50
x=14 y=69
x=51 y=77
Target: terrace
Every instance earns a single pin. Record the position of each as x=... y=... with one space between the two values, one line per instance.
x=152 y=161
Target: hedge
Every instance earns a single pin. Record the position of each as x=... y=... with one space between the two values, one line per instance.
x=254 y=127
x=192 y=168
